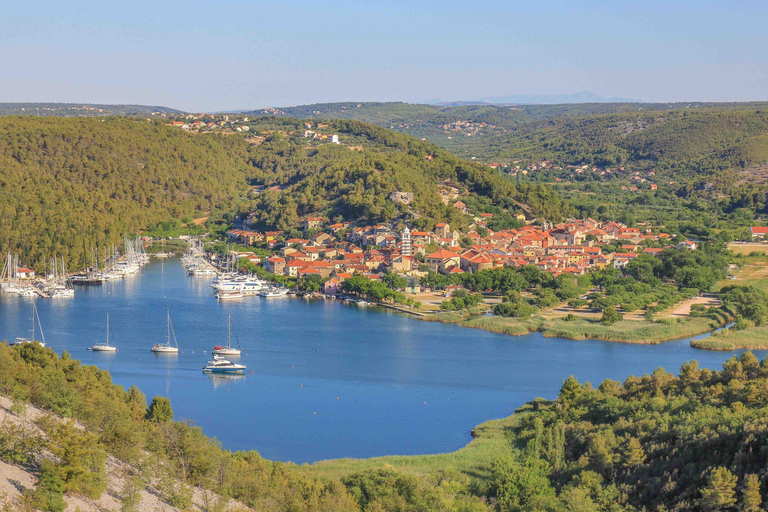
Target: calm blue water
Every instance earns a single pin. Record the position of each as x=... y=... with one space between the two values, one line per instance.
x=329 y=380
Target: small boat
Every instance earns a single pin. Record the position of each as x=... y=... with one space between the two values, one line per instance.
x=162 y=253
x=104 y=347
x=166 y=348
x=274 y=292
x=228 y=350
x=228 y=295
x=41 y=341
x=221 y=365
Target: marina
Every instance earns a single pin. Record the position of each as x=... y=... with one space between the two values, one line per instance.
x=324 y=379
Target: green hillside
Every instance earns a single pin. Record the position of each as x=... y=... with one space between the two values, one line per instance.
x=68 y=183
x=354 y=180
x=683 y=142
x=493 y=132
x=66 y=180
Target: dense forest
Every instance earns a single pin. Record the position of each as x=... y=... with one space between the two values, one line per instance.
x=354 y=180
x=656 y=442
x=71 y=183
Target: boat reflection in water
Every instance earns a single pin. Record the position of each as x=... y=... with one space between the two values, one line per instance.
x=220 y=380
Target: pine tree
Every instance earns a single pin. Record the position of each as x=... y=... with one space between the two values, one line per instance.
x=751 y=500
x=160 y=410
x=720 y=493
x=570 y=390
x=633 y=453
x=49 y=494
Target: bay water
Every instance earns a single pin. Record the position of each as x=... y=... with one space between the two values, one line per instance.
x=324 y=379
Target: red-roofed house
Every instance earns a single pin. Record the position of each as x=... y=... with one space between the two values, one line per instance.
x=441 y=260
x=313 y=223
x=758 y=231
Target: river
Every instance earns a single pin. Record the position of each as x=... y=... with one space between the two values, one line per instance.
x=324 y=379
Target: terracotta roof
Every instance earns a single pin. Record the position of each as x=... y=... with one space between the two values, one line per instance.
x=443 y=255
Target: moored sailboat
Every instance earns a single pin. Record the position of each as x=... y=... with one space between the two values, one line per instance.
x=104 y=347
x=166 y=348
x=228 y=350
x=41 y=341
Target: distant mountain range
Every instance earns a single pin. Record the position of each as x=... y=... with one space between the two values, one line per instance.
x=80 y=109
x=538 y=99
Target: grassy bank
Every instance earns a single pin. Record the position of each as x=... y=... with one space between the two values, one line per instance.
x=753 y=338
x=625 y=331
x=490 y=441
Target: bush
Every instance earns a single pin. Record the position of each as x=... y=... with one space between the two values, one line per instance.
x=610 y=316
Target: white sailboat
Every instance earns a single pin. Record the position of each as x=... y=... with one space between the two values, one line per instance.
x=166 y=348
x=104 y=347
x=41 y=341
x=228 y=350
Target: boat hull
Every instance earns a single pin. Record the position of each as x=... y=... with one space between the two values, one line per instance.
x=97 y=348
x=226 y=352
x=226 y=371
x=165 y=350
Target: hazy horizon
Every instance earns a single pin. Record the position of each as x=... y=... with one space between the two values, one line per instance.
x=201 y=57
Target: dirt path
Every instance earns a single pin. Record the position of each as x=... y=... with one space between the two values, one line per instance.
x=684 y=308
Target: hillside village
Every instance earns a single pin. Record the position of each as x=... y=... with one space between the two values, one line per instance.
x=337 y=251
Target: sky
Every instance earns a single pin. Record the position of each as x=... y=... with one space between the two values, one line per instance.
x=208 y=56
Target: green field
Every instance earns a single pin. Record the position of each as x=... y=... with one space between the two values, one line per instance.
x=625 y=331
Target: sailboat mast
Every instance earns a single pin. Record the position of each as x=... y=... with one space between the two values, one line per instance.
x=107 y=329
x=229 y=331
x=39 y=325
x=168 y=326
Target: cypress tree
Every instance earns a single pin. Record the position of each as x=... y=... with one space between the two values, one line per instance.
x=751 y=500
x=719 y=493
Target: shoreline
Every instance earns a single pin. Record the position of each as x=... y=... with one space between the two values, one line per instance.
x=625 y=331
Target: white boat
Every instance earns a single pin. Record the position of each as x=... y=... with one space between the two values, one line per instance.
x=41 y=341
x=226 y=295
x=274 y=292
x=166 y=348
x=162 y=253
x=229 y=350
x=104 y=347
x=221 y=365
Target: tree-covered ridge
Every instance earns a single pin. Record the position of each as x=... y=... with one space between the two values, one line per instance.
x=656 y=442
x=677 y=143
x=70 y=181
x=81 y=109
x=354 y=180
x=496 y=133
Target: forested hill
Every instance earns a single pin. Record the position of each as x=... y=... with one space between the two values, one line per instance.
x=504 y=133
x=354 y=180
x=68 y=183
x=72 y=182
x=80 y=109
x=680 y=143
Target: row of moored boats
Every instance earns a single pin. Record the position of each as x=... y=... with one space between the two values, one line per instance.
x=220 y=364
x=236 y=286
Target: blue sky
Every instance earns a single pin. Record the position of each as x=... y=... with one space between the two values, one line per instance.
x=210 y=56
